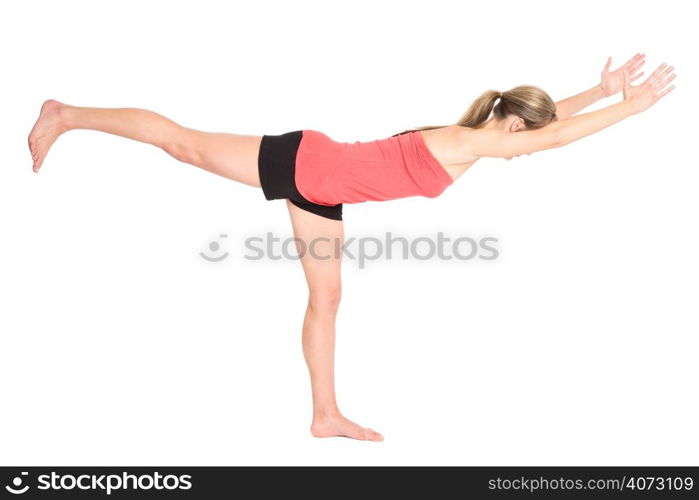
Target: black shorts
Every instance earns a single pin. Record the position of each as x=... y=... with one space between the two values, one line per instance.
x=277 y=167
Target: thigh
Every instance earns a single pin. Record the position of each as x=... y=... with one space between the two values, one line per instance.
x=233 y=156
x=319 y=242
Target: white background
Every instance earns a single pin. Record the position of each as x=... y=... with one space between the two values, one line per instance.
x=120 y=345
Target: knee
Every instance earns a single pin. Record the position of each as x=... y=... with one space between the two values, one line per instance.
x=325 y=299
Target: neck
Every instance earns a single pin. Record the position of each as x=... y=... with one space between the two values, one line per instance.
x=493 y=123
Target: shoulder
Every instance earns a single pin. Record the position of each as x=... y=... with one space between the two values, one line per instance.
x=451 y=143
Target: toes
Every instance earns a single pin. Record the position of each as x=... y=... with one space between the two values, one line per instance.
x=34 y=153
x=372 y=435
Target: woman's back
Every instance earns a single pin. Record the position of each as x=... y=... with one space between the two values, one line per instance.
x=330 y=172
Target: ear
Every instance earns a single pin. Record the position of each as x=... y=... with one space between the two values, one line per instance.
x=517 y=124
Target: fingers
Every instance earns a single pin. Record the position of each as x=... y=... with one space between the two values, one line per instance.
x=662 y=75
x=633 y=61
x=664 y=83
x=636 y=64
x=657 y=83
x=666 y=91
x=636 y=77
x=609 y=63
x=651 y=79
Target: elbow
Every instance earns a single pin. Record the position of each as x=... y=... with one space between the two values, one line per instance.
x=556 y=138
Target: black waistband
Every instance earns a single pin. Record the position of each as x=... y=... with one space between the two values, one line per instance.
x=277 y=165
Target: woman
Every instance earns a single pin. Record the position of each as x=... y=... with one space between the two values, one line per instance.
x=316 y=175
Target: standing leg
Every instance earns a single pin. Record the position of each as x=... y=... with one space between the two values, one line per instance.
x=321 y=265
x=233 y=156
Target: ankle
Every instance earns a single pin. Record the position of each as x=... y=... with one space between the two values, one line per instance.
x=326 y=413
x=65 y=114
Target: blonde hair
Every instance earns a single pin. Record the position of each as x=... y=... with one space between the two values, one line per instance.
x=529 y=102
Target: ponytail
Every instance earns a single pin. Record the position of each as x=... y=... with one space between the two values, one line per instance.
x=477 y=113
x=534 y=106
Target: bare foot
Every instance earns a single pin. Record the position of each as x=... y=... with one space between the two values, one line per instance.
x=45 y=132
x=339 y=426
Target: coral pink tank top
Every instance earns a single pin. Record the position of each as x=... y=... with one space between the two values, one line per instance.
x=330 y=172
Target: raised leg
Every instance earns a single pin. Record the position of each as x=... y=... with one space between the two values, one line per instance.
x=318 y=241
x=233 y=156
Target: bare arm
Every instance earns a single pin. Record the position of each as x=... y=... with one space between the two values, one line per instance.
x=579 y=126
x=501 y=144
x=569 y=106
x=610 y=83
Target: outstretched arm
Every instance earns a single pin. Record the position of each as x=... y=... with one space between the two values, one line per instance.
x=610 y=83
x=571 y=105
x=501 y=144
x=636 y=99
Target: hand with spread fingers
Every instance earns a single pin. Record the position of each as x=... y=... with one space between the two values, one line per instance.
x=613 y=81
x=649 y=92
